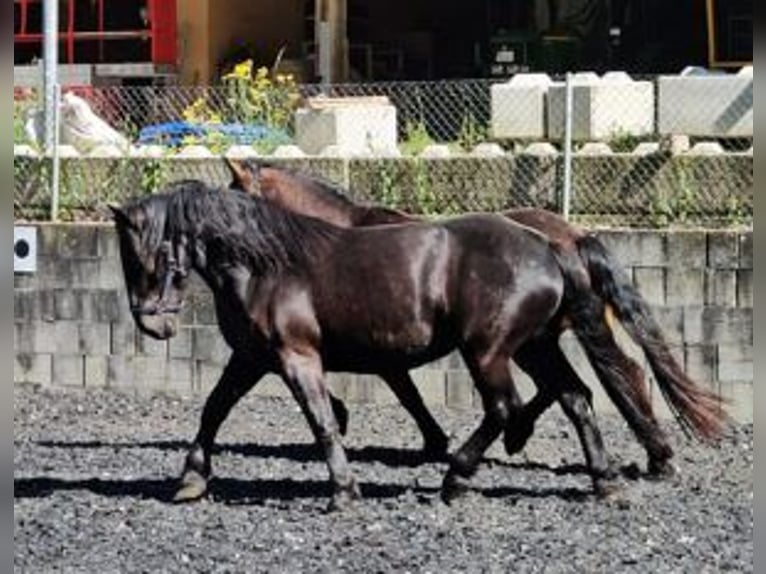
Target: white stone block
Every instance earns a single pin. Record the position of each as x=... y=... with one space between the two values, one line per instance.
x=436 y=151
x=194 y=151
x=23 y=150
x=288 y=151
x=241 y=152
x=487 y=149
x=358 y=124
x=602 y=107
x=540 y=149
x=518 y=107
x=149 y=151
x=706 y=105
x=106 y=151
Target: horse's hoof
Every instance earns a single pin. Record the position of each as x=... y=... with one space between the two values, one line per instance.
x=453 y=487
x=516 y=440
x=345 y=498
x=193 y=487
x=608 y=490
x=661 y=469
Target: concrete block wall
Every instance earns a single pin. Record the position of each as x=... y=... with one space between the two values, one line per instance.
x=72 y=326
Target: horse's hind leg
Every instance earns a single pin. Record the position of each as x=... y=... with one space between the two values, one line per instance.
x=546 y=363
x=239 y=376
x=492 y=379
x=435 y=440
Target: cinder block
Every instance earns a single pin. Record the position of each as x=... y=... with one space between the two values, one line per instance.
x=33 y=368
x=723 y=250
x=672 y=322
x=360 y=388
x=150 y=371
x=180 y=346
x=24 y=338
x=430 y=383
x=180 y=374
x=25 y=305
x=148 y=347
x=746 y=251
x=721 y=287
x=602 y=107
x=67 y=337
x=207 y=375
x=110 y=305
x=108 y=246
x=702 y=364
x=459 y=387
x=208 y=345
x=67 y=305
x=518 y=107
x=204 y=309
x=94 y=338
x=120 y=371
x=745 y=288
x=740 y=399
x=636 y=248
x=68 y=370
x=719 y=105
x=735 y=363
x=650 y=282
x=84 y=272
x=110 y=274
x=687 y=250
x=96 y=371
x=48 y=240
x=718 y=325
x=273 y=386
x=75 y=241
x=123 y=338
x=685 y=286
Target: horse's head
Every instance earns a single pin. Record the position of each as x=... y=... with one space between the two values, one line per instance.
x=155 y=268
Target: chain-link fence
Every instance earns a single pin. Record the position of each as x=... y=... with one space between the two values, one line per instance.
x=606 y=151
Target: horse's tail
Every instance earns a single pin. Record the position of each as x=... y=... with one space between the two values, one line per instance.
x=696 y=409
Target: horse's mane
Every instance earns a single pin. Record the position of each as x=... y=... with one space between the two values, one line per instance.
x=232 y=225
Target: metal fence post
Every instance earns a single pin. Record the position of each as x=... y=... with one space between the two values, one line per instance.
x=56 y=157
x=566 y=200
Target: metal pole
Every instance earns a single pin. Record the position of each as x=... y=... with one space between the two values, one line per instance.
x=50 y=65
x=567 y=193
x=56 y=175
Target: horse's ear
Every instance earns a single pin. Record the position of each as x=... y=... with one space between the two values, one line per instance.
x=119 y=216
x=241 y=176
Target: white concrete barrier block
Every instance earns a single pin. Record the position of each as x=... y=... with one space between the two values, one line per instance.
x=540 y=149
x=24 y=150
x=149 y=151
x=195 y=152
x=595 y=148
x=518 y=107
x=353 y=123
x=436 y=151
x=106 y=151
x=646 y=148
x=706 y=148
x=241 y=152
x=68 y=151
x=288 y=151
x=602 y=108
x=487 y=149
x=706 y=104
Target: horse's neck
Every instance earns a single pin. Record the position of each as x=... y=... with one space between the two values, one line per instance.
x=298 y=200
x=374 y=215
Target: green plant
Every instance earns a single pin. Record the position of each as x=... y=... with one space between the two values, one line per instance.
x=389 y=194
x=472 y=133
x=155 y=173
x=416 y=138
x=427 y=202
x=677 y=205
x=622 y=141
x=20 y=110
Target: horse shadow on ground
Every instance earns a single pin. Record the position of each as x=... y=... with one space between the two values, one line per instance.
x=235 y=491
x=241 y=492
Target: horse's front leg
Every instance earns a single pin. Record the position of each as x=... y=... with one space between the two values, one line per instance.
x=303 y=373
x=238 y=378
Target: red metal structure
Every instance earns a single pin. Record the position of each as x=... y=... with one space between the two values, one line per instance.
x=160 y=29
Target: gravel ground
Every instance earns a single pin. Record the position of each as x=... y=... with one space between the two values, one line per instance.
x=93 y=474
